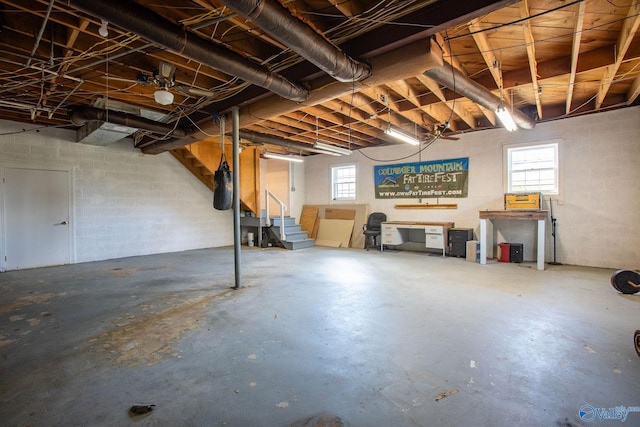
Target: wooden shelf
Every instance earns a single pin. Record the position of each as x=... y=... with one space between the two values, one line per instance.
x=421 y=206
x=514 y=214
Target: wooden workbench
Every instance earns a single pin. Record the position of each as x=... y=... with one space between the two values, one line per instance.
x=486 y=231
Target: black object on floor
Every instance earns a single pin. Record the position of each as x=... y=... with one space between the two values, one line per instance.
x=136 y=410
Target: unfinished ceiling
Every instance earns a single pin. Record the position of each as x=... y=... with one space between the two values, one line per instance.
x=340 y=72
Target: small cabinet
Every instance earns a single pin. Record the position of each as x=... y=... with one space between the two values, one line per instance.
x=434 y=237
x=391 y=235
x=458 y=238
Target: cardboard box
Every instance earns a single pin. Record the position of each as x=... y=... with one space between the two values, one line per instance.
x=473 y=251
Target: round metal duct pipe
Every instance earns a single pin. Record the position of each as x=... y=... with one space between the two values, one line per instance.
x=155 y=28
x=279 y=23
x=453 y=79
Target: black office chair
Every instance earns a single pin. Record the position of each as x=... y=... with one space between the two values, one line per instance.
x=373 y=229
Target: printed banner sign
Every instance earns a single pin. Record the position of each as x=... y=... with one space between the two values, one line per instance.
x=438 y=178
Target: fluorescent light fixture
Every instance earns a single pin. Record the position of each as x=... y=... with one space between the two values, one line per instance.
x=332 y=149
x=505 y=117
x=163 y=97
x=402 y=136
x=282 y=157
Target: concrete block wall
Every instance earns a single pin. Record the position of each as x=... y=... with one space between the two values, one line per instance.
x=597 y=210
x=124 y=203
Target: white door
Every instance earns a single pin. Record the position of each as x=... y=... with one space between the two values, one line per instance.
x=36 y=218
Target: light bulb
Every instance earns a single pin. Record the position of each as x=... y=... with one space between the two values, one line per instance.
x=103 y=31
x=163 y=97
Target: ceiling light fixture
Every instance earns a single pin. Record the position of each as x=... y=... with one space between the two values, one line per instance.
x=163 y=97
x=505 y=117
x=332 y=149
x=282 y=157
x=404 y=137
x=104 y=31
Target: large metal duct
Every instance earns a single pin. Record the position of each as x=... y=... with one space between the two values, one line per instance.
x=81 y=115
x=279 y=23
x=398 y=64
x=153 y=27
x=264 y=138
x=448 y=76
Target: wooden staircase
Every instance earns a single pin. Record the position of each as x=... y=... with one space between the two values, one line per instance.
x=203 y=158
x=195 y=166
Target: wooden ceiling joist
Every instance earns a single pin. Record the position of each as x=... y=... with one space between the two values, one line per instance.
x=584 y=55
x=575 y=51
x=531 y=53
x=629 y=29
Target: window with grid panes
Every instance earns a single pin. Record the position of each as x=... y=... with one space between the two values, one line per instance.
x=533 y=168
x=343 y=182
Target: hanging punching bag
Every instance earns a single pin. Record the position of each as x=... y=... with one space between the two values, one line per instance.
x=222 y=186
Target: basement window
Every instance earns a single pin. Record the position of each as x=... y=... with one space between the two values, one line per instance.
x=343 y=182
x=532 y=169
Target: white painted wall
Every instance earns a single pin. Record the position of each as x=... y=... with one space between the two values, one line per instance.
x=277 y=182
x=598 y=211
x=125 y=203
x=297 y=187
x=287 y=181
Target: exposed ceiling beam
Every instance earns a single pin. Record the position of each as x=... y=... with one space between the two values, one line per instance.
x=62 y=69
x=447 y=54
x=470 y=121
x=575 y=51
x=486 y=51
x=629 y=29
x=634 y=91
x=531 y=53
x=399 y=63
x=593 y=59
x=384 y=95
x=418 y=25
x=359 y=118
x=423 y=23
x=348 y=8
x=434 y=87
x=489 y=114
x=361 y=102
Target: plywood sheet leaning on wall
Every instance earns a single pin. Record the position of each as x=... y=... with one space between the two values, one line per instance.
x=334 y=232
x=308 y=220
x=361 y=215
x=348 y=214
x=340 y=214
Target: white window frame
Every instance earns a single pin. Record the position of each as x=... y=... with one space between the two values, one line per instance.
x=334 y=183
x=508 y=172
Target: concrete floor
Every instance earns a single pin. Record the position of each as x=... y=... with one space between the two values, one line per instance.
x=318 y=336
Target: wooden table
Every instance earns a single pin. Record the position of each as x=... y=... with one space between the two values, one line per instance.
x=486 y=238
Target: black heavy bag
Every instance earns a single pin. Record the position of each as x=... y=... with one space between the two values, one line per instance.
x=222 y=186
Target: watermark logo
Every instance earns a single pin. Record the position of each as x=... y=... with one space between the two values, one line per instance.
x=589 y=413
